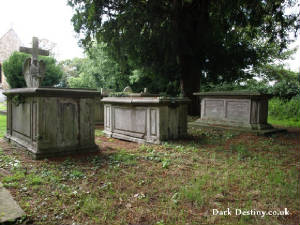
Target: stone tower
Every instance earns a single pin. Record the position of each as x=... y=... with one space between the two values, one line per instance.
x=9 y=43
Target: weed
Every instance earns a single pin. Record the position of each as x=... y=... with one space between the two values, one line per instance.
x=76 y=174
x=13 y=180
x=91 y=205
x=97 y=161
x=166 y=163
x=34 y=179
x=99 y=133
x=123 y=157
x=242 y=151
x=195 y=192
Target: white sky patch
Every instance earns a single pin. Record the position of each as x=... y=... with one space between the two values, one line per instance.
x=45 y=19
x=294 y=63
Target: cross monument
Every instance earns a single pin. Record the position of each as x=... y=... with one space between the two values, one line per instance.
x=33 y=69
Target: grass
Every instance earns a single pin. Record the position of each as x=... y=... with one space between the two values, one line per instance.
x=3 y=106
x=284 y=113
x=283 y=122
x=2 y=125
x=178 y=182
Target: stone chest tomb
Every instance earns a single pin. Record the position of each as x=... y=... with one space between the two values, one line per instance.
x=238 y=109
x=145 y=118
x=49 y=121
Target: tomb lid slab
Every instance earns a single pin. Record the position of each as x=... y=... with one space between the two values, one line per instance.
x=232 y=93
x=78 y=92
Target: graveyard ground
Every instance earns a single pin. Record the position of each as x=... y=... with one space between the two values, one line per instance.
x=174 y=183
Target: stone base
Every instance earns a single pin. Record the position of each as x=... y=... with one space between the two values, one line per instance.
x=130 y=138
x=242 y=125
x=268 y=130
x=51 y=152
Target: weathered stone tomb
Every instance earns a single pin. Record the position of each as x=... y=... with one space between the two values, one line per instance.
x=145 y=118
x=50 y=121
x=238 y=109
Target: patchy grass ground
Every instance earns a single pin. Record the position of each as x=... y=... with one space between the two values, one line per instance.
x=3 y=106
x=284 y=122
x=2 y=125
x=175 y=183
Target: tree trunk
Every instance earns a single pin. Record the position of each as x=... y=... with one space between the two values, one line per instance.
x=190 y=83
x=186 y=43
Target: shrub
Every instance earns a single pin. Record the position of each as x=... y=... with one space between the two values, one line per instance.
x=283 y=109
x=13 y=70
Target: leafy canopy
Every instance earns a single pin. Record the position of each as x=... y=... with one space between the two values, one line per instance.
x=95 y=71
x=187 y=39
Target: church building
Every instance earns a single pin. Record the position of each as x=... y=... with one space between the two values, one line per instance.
x=9 y=43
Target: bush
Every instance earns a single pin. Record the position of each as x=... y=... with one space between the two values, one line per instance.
x=13 y=70
x=282 y=109
x=283 y=89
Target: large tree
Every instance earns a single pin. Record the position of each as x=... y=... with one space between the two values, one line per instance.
x=187 y=40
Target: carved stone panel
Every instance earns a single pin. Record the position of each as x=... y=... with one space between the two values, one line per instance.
x=34 y=120
x=99 y=112
x=69 y=123
x=131 y=120
x=153 y=122
x=214 y=108
x=107 y=114
x=238 y=110
x=86 y=121
x=21 y=115
x=47 y=122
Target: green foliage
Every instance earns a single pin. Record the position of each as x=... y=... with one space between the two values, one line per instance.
x=13 y=70
x=95 y=71
x=13 y=67
x=179 y=42
x=53 y=73
x=282 y=109
x=85 y=79
x=285 y=83
x=286 y=89
x=19 y=175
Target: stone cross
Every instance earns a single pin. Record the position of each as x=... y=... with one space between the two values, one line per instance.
x=34 y=70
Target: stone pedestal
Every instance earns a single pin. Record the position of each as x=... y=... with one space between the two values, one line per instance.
x=238 y=109
x=52 y=121
x=99 y=112
x=99 y=108
x=144 y=119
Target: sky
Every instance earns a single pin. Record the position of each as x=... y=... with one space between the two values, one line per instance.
x=45 y=19
x=51 y=20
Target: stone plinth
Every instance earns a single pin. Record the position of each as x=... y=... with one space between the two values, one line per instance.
x=145 y=118
x=99 y=112
x=238 y=109
x=51 y=121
